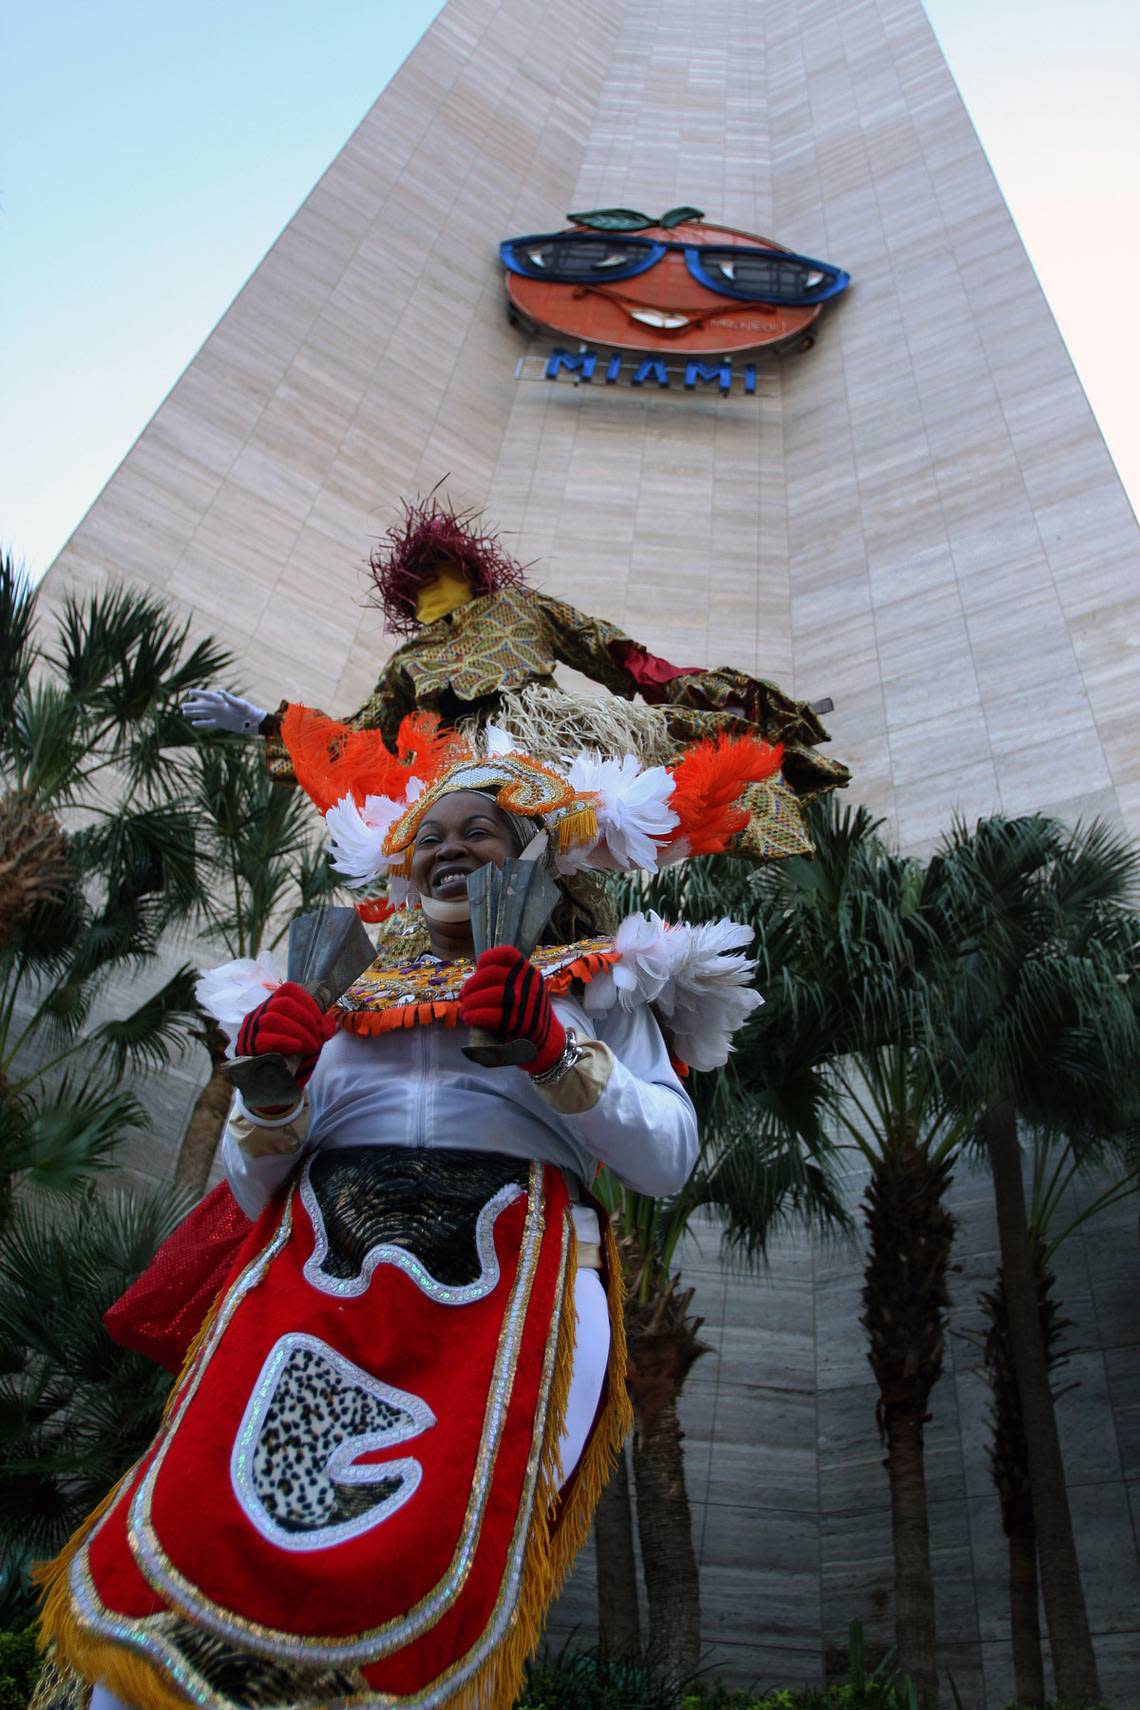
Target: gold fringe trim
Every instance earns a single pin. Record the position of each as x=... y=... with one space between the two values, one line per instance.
x=579 y=824
x=129 y=1677
x=559 y=1526
x=132 y=1678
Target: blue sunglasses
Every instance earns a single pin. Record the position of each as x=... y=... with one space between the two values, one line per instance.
x=749 y=275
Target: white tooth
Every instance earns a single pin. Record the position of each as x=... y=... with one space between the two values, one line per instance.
x=657 y=318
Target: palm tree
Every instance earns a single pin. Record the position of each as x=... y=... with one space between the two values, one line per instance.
x=98 y=855
x=855 y=992
x=1055 y=1165
x=764 y=1161
x=75 y=1409
x=1047 y=1031
x=260 y=865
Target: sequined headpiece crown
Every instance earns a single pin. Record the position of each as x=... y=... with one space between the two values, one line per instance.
x=521 y=785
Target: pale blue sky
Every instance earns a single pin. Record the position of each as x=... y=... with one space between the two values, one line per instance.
x=152 y=153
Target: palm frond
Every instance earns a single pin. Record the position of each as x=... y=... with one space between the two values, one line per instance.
x=66 y=1133
x=75 y=1409
x=48 y=743
x=18 y=650
x=146 y=852
x=765 y=1176
x=44 y=941
x=155 y=1031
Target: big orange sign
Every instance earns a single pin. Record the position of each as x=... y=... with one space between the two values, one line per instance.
x=616 y=277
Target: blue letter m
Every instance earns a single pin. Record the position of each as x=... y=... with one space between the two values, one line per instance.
x=582 y=364
x=719 y=371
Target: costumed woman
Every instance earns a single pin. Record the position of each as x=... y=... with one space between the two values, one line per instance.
x=482 y=646
x=388 y=1435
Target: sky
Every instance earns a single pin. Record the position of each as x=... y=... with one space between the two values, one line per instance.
x=153 y=152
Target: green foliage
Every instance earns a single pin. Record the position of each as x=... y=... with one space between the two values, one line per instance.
x=589 y=1680
x=75 y=1408
x=98 y=851
x=256 y=843
x=19 y=1668
x=1044 y=1006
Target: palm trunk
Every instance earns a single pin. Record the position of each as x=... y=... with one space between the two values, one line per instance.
x=1074 y=1664
x=1024 y=1624
x=668 y=1560
x=663 y=1346
x=619 y=1620
x=1010 y=1469
x=915 y=1633
x=207 y=1119
x=905 y=1308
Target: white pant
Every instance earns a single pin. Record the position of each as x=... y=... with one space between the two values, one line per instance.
x=591 y=1352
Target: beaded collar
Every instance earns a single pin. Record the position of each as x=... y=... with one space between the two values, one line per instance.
x=425 y=991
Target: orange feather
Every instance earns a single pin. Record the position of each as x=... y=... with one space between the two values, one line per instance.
x=331 y=760
x=710 y=779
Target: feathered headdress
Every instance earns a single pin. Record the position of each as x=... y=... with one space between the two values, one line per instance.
x=607 y=814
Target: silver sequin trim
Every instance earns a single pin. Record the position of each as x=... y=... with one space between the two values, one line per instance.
x=389 y=1254
x=414 y=1417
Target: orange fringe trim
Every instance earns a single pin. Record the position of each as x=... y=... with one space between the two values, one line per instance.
x=445 y=1011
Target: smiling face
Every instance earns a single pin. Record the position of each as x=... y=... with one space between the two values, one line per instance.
x=666 y=306
x=463 y=831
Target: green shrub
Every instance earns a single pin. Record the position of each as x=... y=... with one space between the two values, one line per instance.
x=19 y=1668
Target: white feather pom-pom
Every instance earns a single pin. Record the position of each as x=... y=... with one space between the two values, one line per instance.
x=693 y=977
x=633 y=811
x=229 y=993
x=356 y=837
x=712 y=993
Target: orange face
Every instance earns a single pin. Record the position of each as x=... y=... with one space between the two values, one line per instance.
x=690 y=287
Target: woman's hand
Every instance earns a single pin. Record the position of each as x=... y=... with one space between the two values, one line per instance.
x=507 y=995
x=289 y=1021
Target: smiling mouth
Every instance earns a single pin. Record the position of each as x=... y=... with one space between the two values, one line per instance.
x=450 y=881
x=658 y=318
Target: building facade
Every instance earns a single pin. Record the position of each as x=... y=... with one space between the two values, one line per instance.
x=916 y=517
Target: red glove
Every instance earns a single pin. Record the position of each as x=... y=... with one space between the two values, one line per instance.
x=289 y=1021
x=507 y=995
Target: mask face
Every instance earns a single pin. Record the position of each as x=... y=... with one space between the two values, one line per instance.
x=687 y=285
x=443 y=591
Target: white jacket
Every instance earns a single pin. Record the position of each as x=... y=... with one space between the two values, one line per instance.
x=622 y=1105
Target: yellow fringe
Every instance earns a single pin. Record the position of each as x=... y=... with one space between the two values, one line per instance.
x=131 y=1678
x=552 y=1547
x=578 y=825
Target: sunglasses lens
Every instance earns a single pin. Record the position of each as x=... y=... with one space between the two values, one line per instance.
x=765 y=275
x=572 y=260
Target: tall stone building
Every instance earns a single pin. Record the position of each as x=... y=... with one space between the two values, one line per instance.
x=917 y=517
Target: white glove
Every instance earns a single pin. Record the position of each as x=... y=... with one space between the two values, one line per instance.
x=217 y=709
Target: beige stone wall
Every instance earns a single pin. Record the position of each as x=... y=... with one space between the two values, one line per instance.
x=918 y=517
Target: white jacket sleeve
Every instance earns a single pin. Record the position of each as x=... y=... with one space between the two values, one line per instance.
x=643 y=1124
x=257 y=1157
